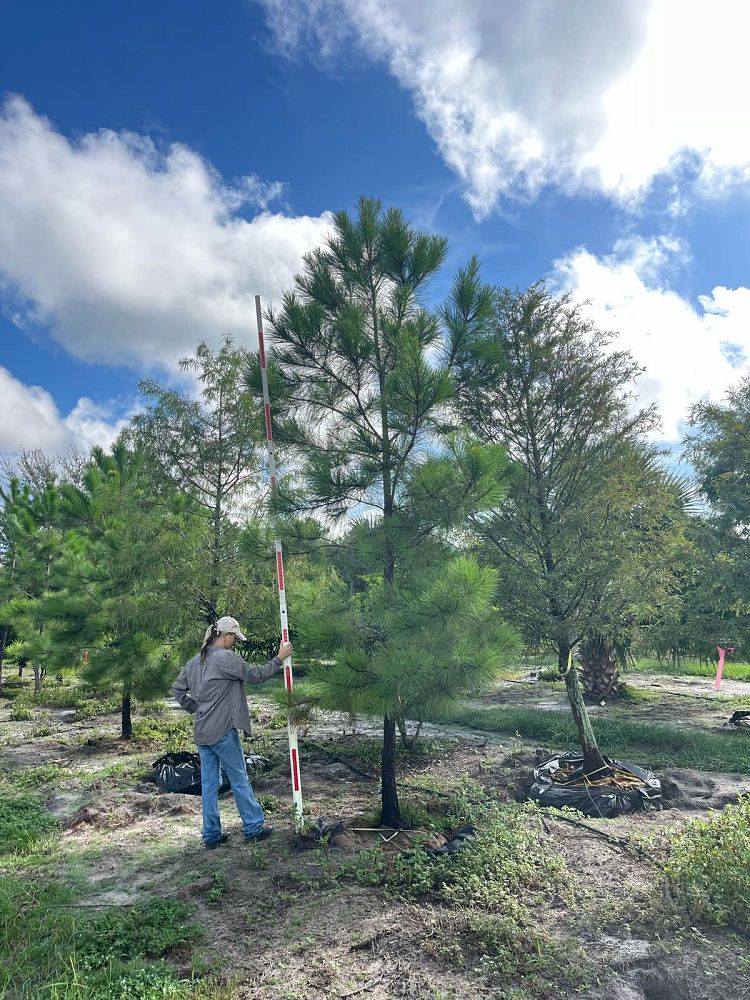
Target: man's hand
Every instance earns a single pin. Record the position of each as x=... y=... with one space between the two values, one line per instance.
x=285 y=650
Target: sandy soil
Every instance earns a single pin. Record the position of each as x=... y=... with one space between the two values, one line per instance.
x=282 y=923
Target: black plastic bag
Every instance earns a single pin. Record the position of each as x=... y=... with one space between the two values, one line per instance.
x=740 y=720
x=181 y=772
x=598 y=801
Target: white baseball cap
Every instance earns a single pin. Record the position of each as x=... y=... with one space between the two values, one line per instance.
x=227 y=624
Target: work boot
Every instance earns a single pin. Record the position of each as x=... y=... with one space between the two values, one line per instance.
x=215 y=843
x=263 y=834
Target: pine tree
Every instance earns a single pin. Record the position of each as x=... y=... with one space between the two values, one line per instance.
x=359 y=380
x=15 y=500
x=37 y=544
x=116 y=578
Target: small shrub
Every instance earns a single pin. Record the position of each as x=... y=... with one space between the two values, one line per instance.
x=549 y=675
x=148 y=929
x=269 y=803
x=20 y=713
x=709 y=871
x=23 y=822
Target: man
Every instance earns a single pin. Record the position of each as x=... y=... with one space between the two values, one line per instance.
x=211 y=686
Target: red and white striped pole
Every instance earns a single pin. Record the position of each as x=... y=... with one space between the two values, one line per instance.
x=288 y=676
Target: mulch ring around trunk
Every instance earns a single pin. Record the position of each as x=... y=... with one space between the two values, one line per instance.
x=560 y=782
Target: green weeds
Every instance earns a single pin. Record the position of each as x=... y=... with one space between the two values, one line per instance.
x=24 y=822
x=656 y=744
x=490 y=888
x=709 y=867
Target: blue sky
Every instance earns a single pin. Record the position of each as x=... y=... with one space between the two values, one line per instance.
x=585 y=144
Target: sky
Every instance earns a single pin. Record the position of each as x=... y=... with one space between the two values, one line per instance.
x=162 y=161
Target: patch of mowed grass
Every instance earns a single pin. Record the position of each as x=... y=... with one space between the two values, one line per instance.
x=690 y=668
x=709 y=867
x=24 y=822
x=48 y=950
x=652 y=743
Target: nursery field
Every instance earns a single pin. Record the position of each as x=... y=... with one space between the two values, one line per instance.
x=107 y=892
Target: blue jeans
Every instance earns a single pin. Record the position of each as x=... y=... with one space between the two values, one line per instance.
x=227 y=753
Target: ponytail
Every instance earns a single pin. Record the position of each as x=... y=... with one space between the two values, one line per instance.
x=211 y=633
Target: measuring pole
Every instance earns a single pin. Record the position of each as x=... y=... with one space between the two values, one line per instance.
x=281 y=583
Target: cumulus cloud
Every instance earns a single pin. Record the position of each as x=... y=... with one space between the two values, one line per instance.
x=599 y=95
x=30 y=418
x=689 y=352
x=132 y=253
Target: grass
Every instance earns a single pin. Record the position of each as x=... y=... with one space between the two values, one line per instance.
x=709 y=867
x=655 y=744
x=24 y=822
x=691 y=668
x=48 y=950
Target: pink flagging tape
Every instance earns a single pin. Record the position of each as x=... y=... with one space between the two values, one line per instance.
x=719 y=667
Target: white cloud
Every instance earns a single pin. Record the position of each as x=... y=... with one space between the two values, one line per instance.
x=29 y=418
x=132 y=254
x=594 y=95
x=689 y=353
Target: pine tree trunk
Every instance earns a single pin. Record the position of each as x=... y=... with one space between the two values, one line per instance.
x=127 y=721
x=592 y=758
x=37 y=678
x=21 y=665
x=408 y=742
x=390 y=812
x=601 y=678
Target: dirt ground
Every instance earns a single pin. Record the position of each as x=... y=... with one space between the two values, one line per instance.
x=283 y=922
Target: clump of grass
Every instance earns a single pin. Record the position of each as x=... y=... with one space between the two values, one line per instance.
x=20 y=713
x=24 y=822
x=709 y=866
x=657 y=744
